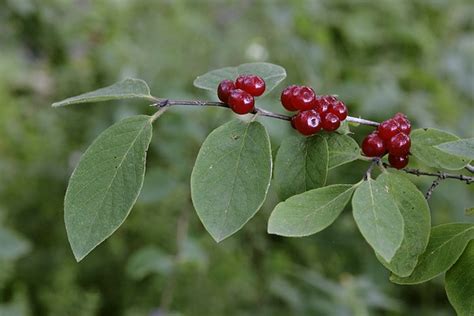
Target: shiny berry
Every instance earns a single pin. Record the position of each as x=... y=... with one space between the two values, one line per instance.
x=287 y=97
x=387 y=129
x=405 y=124
x=373 y=146
x=330 y=98
x=304 y=98
x=330 y=122
x=322 y=105
x=307 y=122
x=339 y=109
x=398 y=162
x=241 y=102
x=399 y=145
x=224 y=89
x=252 y=84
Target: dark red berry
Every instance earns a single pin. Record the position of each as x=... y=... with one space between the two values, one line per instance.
x=387 y=129
x=287 y=97
x=339 y=109
x=400 y=114
x=330 y=98
x=399 y=145
x=307 y=122
x=398 y=162
x=405 y=124
x=304 y=98
x=330 y=122
x=252 y=84
x=322 y=105
x=373 y=146
x=224 y=89
x=241 y=102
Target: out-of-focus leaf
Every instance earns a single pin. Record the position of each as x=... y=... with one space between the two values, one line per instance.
x=147 y=261
x=12 y=246
x=463 y=148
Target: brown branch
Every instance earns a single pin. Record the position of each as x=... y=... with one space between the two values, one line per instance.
x=439 y=174
x=433 y=186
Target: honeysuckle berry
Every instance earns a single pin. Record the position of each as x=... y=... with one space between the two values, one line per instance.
x=398 y=162
x=252 y=84
x=303 y=98
x=330 y=122
x=307 y=122
x=339 y=109
x=322 y=105
x=241 y=102
x=286 y=98
x=387 y=129
x=399 y=145
x=373 y=146
x=224 y=89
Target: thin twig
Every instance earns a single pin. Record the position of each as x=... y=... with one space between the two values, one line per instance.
x=438 y=174
x=470 y=168
x=368 y=173
x=433 y=186
x=262 y=112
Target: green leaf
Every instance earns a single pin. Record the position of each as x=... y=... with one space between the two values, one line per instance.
x=446 y=244
x=424 y=142
x=128 y=88
x=460 y=283
x=149 y=260
x=106 y=183
x=231 y=176
x=416 y=216
x=342 y=149
x=301 y=164
x=378 y=218
x=309 y=212
x=272 y=74
x=463 y=148
x=469 y=211
x=12 y=246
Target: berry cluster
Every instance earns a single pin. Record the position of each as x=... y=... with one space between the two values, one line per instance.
x=239 y=95
x=391 y=136
x=314 y=112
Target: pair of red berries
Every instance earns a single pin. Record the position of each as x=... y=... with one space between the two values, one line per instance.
x=391 y=136
x=315 y=112
x=239 y=95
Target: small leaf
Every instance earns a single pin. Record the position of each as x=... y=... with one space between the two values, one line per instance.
x=416 y=216
x=446 y=244
x=463 y=148
x=126 y=89
x=378 y=218
x=301 y=164
x=12 y=246
x=460 y=283
x=272 y=74
x=149 y=260
x=309 y=212
x=231 y=176
x=424 y=142
x=342 y=149
x=106 y=183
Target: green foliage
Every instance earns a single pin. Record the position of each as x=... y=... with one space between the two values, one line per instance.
x=342 y=149
x=310 y=212
x=447 y=243
x=13 y=246
x=460 y=283
x=272 y=74
x=128 y=88
x=378 y=218
x=424 y=147
x=463 y=148
x=301 y=164
x=106 y=183
x=149 y=260
x=231 y=177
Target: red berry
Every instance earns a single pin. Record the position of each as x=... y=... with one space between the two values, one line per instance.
x=405 y=126
x=287 y=97
x=241 y=102
x=224 y=89
x=398 y=162
x=322 y=105
x=399 y=145
x=330 y=98
x=307 y=122
x=400 y=114
x=373 y=146
x=339 y=109
x=387 y=129
x=252 y=84
x=330 y=122
x=304 y=98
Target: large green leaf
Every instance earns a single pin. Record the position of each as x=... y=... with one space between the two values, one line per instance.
x=463 y=148
x=309 y=212
x=342 y=149
x=378 y=218
x=424 y=142
x=231 y=176
x=416 y=216
x=446 y=244
x=460 y=283
x=106 y=183
x=301 y=164
x=12 y=246
x=272 y=74
x=126 y=89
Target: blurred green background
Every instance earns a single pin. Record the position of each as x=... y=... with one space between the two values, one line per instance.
x=381 y=57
